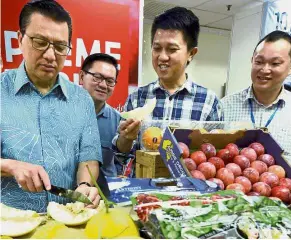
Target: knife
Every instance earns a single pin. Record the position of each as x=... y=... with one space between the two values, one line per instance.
x=71 y=194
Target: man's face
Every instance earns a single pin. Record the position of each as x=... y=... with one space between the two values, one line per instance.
x=271 y=64
x=43 y=66
x=170 y=54
x=100 y=92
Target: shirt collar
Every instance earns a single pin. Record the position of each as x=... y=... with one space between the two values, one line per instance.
x=250 y=95
x=22 y=79
x=186 y=85
x=104 y=111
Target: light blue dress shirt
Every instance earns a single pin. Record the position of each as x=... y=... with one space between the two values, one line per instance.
x=57 y=130
x=108 y=122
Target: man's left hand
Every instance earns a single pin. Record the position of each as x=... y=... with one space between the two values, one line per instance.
x=91 y=193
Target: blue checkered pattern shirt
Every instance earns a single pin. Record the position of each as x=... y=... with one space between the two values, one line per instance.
x=190 y=102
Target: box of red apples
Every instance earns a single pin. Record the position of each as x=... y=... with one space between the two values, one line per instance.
x=247 y=160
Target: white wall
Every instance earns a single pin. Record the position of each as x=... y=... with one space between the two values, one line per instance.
x=245 y=36
x=210 y=65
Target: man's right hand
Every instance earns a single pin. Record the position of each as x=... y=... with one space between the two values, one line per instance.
x=129 y=129
x=29 y=176
x=128 y=132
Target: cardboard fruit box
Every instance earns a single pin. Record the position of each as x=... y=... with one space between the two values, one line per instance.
x=171 y=153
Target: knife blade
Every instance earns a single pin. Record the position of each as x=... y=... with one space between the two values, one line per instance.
x=71 y=194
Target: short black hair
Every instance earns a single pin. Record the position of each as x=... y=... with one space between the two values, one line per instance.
x=179 y=18
x=102 y=57
x=47 y=8
x=274 y=37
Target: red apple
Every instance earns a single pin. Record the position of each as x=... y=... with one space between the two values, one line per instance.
x=226 y=176
x=190 y=164
x=249 y=153
x=208 y=169
x=278 y=170
x=260 y=166
x=285 y=182
x=245 y=182
x=197 y=174
x=242 y=161
x=217 y=162
x=281 y=192
x=253 y=194
x=236 y=186
x=259 y=148
x=233 y=148
x=208 y=149
x=262 y=188
x=267 y=158
x=270 y=178
x=225 y=155
x=252 y=174
x=218 y=182
x=236 y=170
x=185 y=150
x=198 y=157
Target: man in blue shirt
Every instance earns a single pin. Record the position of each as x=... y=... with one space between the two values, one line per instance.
x=174 y=39
x=49 y=127
x=99 y=76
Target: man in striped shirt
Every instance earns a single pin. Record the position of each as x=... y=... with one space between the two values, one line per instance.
x=266 y=103
x=174 y=44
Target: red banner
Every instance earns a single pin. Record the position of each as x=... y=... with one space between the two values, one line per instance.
x=105 y=26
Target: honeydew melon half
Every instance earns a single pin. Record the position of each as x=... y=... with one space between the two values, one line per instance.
x=72 y=214
x=10 y=212
x=18 y=227
x=15 y=222
x=140 y=113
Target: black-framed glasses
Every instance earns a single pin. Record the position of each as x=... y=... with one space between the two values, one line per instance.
x=98 y=78
x=43 y=45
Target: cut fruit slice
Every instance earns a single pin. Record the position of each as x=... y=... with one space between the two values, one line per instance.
x=16 y=222
x=141 y=113
x=17 y=227
x=72 y=214
x=10 y=212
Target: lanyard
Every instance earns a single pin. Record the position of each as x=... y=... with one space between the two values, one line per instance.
x=271 y=117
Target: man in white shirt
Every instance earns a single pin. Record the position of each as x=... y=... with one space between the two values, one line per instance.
x=266 y=103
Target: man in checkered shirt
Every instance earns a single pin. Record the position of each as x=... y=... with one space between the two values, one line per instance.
x=174 y=44
x=266 y=103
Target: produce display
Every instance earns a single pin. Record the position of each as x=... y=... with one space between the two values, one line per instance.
x=225 y=214
x=214 y=193
x=249 y=169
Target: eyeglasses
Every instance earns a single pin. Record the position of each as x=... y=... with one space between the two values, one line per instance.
x=98 y=78
x=43 y=45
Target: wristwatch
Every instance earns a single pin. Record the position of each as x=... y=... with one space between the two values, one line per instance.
x=86 y=183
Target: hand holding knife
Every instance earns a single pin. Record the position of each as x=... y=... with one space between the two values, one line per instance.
x=70 y=194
